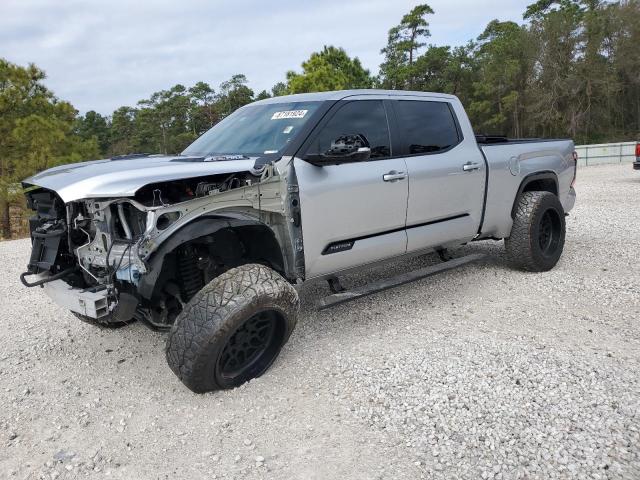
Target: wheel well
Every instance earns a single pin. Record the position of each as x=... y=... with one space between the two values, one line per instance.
x=261 y=246
x=541 y=185
x=190 y=259
x=230 y=247
x=227 y=241
x=536 y=182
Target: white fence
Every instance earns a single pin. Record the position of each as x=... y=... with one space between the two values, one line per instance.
x=606 y=153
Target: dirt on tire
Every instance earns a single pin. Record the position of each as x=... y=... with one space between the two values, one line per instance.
x=523 y=249
x=201 y=330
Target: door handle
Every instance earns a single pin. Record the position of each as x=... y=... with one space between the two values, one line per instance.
x=470 y=166
x=394 y=176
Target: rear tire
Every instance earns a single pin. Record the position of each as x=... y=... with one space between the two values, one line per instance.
x=233 y=329
x=538 y=233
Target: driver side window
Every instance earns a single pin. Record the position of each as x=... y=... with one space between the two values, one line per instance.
x=361 y=117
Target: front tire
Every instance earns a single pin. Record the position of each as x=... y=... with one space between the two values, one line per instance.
x=538 y=233
x=233 y=329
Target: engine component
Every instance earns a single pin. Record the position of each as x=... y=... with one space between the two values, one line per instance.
x=124 y=223
x=46 y=243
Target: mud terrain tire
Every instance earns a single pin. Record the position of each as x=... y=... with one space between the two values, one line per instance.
x=233 y=329
x=538 y=233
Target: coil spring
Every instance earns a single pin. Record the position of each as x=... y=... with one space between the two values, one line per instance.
x=190 y=275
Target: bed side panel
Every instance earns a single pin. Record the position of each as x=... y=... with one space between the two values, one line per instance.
x=510 y=164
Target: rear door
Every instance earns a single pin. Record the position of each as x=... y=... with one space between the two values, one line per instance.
x=446 y=173
x=352 y=213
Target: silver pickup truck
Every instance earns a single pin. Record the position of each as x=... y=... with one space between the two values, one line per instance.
x=208 y=243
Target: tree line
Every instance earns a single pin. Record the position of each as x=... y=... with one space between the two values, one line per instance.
x=571 y=69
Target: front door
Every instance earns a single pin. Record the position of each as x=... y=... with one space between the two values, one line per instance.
x=352 y=213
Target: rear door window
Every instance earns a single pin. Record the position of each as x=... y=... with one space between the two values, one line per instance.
x=426 y=127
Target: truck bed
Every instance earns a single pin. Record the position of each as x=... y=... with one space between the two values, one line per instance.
x=509 y=161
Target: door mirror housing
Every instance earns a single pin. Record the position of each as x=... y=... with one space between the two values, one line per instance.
x=344 y=149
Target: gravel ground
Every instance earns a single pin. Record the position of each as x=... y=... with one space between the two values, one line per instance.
x=482 y=372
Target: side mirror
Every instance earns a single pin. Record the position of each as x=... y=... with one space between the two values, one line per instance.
x=344 y=149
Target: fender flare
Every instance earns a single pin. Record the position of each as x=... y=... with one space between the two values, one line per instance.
x=200 y=227
x=533 y=177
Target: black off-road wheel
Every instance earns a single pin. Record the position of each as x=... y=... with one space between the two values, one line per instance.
x=538 y=233
x=233 y=329
x=103 y=322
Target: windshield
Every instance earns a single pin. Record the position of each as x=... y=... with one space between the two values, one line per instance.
x=254 y=130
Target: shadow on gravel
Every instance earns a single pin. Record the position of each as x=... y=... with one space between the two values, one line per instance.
x=312 y=292
x=118 y=348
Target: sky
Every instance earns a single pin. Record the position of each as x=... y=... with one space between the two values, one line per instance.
x=103 y=54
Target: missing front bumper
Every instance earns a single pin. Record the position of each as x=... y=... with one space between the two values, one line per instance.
x=93 y=303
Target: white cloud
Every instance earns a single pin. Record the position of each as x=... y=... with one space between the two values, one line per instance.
x=103 y=54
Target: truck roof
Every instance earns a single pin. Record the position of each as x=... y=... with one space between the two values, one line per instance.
x=342 y=94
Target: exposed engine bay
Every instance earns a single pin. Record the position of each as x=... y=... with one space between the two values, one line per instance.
x=145 y=256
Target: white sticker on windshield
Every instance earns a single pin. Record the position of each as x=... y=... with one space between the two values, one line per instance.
x=288 y=129
x=289 y=114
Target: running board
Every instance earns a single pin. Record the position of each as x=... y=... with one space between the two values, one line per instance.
x=387 y=283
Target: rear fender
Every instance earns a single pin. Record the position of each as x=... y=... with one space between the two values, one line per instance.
x=540 y=181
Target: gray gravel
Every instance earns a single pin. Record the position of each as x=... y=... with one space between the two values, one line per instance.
x=483 y=372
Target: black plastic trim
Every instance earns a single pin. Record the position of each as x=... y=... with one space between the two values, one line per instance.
x=496 y=141
x=329 y=249
x=546 y=175
x=336 y=247
x=51 y=278
x=394 y=130
x=486 y=190
x=387 y=283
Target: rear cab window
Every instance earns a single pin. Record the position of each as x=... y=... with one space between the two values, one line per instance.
x=426 y=127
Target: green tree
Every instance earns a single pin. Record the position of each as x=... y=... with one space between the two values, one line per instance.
x=446 y=70
x=234 y=93
x=555 y=107
x=279 y=89
x=36 y=132
x=122 y=132
x=404 y=40
x=204 y=114
x=93 y=125
x=504 y=65
x=583 y=86
x=622 y=47
x=163 y=121
x=263 y=95
x=330 y=69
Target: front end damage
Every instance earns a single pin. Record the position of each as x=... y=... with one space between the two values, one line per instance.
x=144 y=256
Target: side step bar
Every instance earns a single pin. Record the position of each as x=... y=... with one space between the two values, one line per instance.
x=387 y=283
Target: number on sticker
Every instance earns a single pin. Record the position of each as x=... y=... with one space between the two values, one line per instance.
x=289 y=114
